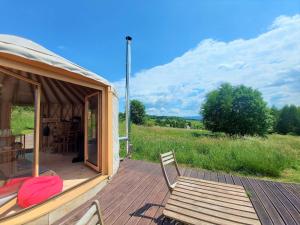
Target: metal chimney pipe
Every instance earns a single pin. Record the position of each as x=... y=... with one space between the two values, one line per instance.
x=127 y=97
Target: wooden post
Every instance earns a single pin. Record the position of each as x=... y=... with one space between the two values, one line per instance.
x=5 y=110
x=109 y=133
x=99 y=131
x=37 y=103
x=104 y=133
x=86 y=109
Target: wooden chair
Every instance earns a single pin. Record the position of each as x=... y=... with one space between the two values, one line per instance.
x=165 y=159
x=70 y=141
x=19 y=149
x=92 y=216
x=57 y=141
x=197 y=201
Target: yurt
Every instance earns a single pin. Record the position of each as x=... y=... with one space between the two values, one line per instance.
x=56 y=119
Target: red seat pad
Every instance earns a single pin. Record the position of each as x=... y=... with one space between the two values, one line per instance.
x=38 y=189
x=12 y=186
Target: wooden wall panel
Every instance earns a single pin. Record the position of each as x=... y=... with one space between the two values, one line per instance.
x=5 y=111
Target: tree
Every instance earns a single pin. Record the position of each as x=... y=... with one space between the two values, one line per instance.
x=236 y=110
x=289 y=120
x=274 y=118
x=121 y=116
x=297 y=130
x=137 y=112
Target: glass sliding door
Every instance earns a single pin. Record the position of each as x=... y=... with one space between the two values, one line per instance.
x=92 y=134
x=19 y=111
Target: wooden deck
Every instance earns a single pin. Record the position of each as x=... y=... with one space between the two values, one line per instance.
x=138 y=192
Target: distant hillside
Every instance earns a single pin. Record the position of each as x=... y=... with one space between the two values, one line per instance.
x=174 y=121
x=193 y=117
x=191 y=122
x=175 y=117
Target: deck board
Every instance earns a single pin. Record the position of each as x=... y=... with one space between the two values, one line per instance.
x=228 y=179
x=221 y=178
x=292 y=198
x=200 y=174
x=284 y=201
x=137 y=195
x=271 y=210
x=257 y=203
x=279 y=206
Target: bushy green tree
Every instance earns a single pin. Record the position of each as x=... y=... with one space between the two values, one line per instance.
x=236 y=110
x=274 y=119
x=297 y=130
x=121 y=116
x=289 y=120
x=137 y=112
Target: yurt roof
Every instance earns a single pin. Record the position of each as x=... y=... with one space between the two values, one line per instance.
x=30 y=50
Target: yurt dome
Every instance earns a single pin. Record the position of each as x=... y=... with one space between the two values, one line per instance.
x=56 y=117
x=25 y=48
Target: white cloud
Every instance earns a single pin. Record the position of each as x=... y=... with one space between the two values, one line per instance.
x=269 y=62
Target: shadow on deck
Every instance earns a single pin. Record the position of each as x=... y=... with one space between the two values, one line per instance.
x=138 y=192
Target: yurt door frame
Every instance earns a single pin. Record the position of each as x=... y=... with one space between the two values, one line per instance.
x=92 y=130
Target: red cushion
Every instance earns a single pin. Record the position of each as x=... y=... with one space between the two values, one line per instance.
x=12 y=186
x=39 y=189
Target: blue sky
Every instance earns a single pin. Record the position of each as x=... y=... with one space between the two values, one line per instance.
x=181 y=49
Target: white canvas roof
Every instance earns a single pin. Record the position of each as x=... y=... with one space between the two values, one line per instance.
x=30 y=50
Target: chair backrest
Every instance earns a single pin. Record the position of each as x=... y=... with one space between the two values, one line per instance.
x=165 y=159
x=92 y=216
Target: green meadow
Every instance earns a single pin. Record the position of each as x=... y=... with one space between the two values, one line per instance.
x=275 y=157
x=22 y=121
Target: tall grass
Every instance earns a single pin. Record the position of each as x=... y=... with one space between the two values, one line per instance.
x=270 y=157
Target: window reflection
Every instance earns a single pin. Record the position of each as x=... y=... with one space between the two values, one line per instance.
x=16 y=127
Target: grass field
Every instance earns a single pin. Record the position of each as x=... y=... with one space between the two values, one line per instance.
x=275 y=157
x=22 y=121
